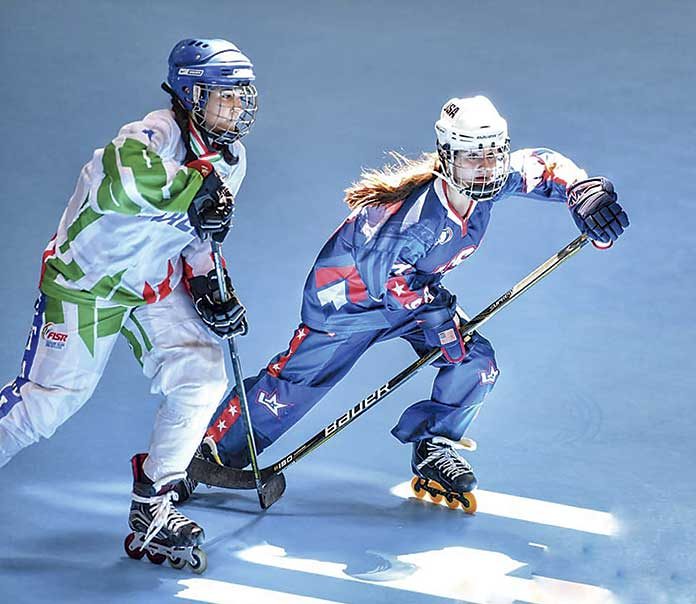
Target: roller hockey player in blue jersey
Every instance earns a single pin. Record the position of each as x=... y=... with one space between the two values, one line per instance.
x=379 y=277
x=129 y=257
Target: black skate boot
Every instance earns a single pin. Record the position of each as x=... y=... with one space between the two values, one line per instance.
x=159 y=530
x=184 y=489
x=443 y=474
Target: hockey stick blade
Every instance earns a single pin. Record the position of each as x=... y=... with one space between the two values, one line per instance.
x=215 y=475
x=272 y=490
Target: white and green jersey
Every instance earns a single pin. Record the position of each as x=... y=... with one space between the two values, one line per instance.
x=125 y=238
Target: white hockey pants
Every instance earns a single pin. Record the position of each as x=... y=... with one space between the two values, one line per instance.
x=67 y=351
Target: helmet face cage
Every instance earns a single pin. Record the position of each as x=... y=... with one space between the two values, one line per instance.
x=225 y=112
x=479 y=172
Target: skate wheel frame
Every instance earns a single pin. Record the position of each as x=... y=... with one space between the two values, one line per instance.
x=156 y=553
x=437 y=494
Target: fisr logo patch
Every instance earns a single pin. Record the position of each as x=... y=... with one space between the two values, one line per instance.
x=54 y=339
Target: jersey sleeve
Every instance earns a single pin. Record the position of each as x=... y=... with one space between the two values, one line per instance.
x=137 y=173
x=378 y=258
x=197 y=259
x=542 y=174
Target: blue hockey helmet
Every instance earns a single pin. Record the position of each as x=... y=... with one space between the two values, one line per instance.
x=213 y=80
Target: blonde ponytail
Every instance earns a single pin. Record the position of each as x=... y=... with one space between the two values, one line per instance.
x=394 y=182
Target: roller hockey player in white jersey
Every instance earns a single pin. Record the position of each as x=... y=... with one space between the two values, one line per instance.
x=379 y=277
x=129 y=257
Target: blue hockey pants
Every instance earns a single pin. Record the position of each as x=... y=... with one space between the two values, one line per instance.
x=297 y=379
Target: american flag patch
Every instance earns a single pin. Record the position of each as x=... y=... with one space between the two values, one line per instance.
x=447 y=337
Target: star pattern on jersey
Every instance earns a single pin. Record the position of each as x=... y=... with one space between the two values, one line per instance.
x=398 y=289
x=301 y=333
x=401 y=292
x=271 y=402
x=227 y=418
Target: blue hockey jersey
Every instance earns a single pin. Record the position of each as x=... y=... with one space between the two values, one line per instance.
x=385 y=260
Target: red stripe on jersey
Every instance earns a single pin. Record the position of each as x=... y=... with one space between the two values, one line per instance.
x=48 y=252
x=199 y=141
x=188 y=270
x=399 y=289
x=274 y=368
x=188 y=274
x=357 y=290
x=549 y=174
x=149 y=294
x=223 y=422
x=165 y=288
x=464 y=224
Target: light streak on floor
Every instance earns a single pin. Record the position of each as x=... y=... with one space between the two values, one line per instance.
x=534 y=510
x=460 y=573
x=223 y=592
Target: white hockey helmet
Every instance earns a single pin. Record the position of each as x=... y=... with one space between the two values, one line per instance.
x=474 y=147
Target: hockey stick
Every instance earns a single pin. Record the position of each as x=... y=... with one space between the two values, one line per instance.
x=273 y=487
x=222 y=476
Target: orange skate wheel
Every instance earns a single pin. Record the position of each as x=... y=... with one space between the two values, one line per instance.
x=452 y=502
x=418 y=491
x=469 y=503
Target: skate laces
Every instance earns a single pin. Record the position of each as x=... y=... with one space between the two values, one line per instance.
x=445 y=458
x=165 y=514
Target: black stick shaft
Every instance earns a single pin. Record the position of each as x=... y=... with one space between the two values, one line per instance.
x=238 y=376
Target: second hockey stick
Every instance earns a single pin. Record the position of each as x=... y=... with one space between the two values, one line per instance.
x=271 y=486
x=221 y=476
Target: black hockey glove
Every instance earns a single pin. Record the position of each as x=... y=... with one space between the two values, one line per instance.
x=226 y=319
x=595 y=209
x=212 y=208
